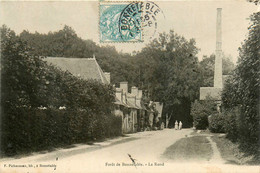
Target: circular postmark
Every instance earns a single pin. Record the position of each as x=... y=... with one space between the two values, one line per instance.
x=138 y=21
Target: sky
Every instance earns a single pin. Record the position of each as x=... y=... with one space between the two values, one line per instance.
x=191 y=19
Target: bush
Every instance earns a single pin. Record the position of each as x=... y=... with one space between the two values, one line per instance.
x=116 y=126
x=200 y=122
x=242 y=90
x=200 y=110
x=231 y=128
x=34 y=129
x=29 y=84
x=217 y=123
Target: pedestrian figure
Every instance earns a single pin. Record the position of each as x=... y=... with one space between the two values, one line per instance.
x=180 y=125
x=176 y=125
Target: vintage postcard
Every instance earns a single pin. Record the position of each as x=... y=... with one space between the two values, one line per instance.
x=130 y=86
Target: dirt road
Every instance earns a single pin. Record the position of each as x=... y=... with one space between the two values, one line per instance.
x=145 y=148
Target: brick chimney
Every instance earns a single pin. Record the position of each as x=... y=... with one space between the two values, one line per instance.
x=218 y=60
x=138 y=98
x=140 y=94
x=107 y=75
x=124 y=86
x=124 y=97
x=131 y=99
x=119 y=95
x=134 y=91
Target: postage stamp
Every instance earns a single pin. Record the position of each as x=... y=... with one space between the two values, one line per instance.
x=128 y=21
x=108 y=21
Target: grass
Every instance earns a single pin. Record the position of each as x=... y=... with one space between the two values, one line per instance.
x=230 y=152
x=195 y=148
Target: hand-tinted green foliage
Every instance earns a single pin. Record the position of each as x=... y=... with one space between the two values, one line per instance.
x=200 y=111
x=217 y=123
x=33 y=92
x=242 y=90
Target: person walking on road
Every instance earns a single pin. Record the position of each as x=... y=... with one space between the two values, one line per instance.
x=180 y=125
x=176 y=125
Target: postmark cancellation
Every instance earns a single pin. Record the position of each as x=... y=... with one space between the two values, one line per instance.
x=128 y=21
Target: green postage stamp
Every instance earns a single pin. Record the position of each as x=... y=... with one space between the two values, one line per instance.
x=128 y=21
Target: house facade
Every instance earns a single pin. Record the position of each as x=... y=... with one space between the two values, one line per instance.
x=128 y=105
x=135 y=115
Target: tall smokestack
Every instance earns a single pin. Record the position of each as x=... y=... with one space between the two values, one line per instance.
x=218 y=60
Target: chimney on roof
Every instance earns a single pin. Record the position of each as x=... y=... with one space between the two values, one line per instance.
x=107 y=75
x=124 y=86
x=119 y=95
x=131 y=99
x=124 y=97
x=94 y=57
x=140 y=94
x=134 y=91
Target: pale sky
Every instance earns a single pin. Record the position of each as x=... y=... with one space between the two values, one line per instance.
x=192 y=19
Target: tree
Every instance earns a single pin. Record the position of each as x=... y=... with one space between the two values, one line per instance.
x=66 y=43
x=242 y=90
x=168 y=68
x=201 y=110
x=29 y=84
x=207 y=66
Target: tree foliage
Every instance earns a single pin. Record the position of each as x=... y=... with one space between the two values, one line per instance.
x=242 y=89
x=207 y=66
x=66 y=43
x=32 y=93
x=200 y=111
x=168 y=69
x=217 y=123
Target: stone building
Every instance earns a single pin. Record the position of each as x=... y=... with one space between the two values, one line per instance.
x=128 y=105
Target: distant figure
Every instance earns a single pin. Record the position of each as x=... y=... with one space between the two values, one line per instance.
x=162 y=126
x=180 y=125
x=176 y=125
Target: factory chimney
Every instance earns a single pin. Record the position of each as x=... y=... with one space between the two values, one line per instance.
x=218 y=59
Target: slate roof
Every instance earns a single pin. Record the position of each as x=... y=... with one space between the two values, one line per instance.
x=131 y=101
x=85 y=68
x=131 y=105
x=118 y=102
